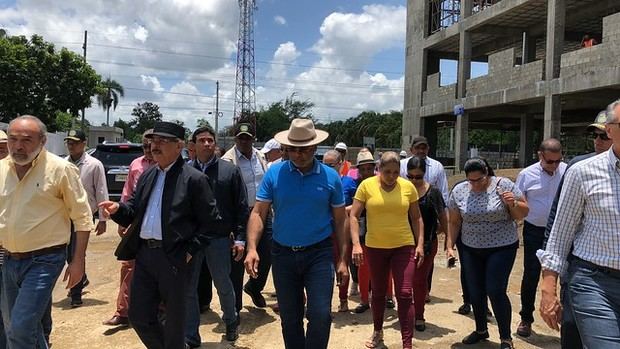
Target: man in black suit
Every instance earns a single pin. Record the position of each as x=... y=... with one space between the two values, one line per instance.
x=169 y=215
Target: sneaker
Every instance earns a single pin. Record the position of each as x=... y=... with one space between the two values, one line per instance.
x=420 y=325
x=344 y=306
x=76 y=301
x=257 y=297
x=389 y=303
x=361 y=308
x=465 y=309
x=475 y=337
x=524 y=329
x=354 y=291
x=506 y=344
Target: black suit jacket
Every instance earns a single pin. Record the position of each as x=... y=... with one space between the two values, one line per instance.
x=188 y=212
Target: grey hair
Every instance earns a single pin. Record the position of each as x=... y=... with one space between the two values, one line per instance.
x=611 y=115
x=42 y=127
x=334 y=153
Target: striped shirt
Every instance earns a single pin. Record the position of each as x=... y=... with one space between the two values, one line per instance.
x=588 y=215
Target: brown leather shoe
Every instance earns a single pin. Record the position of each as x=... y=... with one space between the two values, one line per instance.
x=524 y=329
x=117 y=321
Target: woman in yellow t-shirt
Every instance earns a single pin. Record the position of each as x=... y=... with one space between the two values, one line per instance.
x=390 y=201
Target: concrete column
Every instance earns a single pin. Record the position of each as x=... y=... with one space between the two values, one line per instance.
x=556 y=16
x=430 y=132
x=461 y=129
x=526 y=141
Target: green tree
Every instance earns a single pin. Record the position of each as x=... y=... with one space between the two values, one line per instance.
x=201 y=122
x=277 y=116
x=145 y=115
x=39 y=80
x=108 y=95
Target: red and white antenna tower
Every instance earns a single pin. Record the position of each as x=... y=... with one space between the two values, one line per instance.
x=245 y=85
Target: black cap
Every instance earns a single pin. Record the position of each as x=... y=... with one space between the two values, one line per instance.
x=244 y=128
x=167 y=129
x=76 y=135
x=417 y=140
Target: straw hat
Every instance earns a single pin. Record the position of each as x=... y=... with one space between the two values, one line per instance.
x=301 y=134
x=365 y=157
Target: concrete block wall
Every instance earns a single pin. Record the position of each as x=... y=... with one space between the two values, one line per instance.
x=435 y=93
x=504 y=75
x=602 y=55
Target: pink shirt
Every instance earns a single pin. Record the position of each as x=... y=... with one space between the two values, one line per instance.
x=136 y=168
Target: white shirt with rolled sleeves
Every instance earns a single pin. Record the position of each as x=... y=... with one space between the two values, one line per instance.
x=92 y=176
x=435 y=175
x=539 y=188
x=588 y=216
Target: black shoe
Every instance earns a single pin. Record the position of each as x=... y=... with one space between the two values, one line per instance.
x=76 y=301
x=361 y=308
x=420 y=325
x=475 y=337
x=191 y=346
x=257 y=297
x=506 y=345
x=231 y=332
x=389 y=303
x=465 y=309
x=205 y=309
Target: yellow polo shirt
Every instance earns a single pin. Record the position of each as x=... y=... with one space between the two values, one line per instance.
x=387 y=213
x=37 y=211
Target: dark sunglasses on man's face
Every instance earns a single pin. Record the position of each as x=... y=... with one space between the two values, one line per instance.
x=602 y=136
x=551 y=162
x=418 y=177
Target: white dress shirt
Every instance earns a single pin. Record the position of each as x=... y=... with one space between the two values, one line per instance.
x=539 y=188
x=92 y=176
x=588 y=215
x=435 y=175
x=252 y=172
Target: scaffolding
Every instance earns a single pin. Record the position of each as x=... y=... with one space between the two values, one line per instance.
x=444 y=13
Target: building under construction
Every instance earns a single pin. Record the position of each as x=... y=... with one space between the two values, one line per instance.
x=541 y=75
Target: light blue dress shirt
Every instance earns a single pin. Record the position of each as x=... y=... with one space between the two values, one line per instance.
x=151 y=224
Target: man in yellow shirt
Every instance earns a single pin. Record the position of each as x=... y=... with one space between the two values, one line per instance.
x=40 y=194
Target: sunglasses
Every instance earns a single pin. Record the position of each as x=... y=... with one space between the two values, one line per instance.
x=476 y=180
x=418 y=177
x=550 y=162
x=602 y=136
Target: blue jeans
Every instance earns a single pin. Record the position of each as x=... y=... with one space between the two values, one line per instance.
x=27 y=286
x=2 y=334
x=569 y=333
x=595 y=296
x=311 y=269
x=533 y=237
x=488 y=270
x=217 y=255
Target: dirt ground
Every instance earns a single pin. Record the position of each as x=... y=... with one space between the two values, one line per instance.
x=260 y=328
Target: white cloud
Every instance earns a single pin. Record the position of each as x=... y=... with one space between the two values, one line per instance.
x=279 y=20
x=140 y=33
x=151 y=81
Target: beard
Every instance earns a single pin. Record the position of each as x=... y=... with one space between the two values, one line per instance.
x=25 y=159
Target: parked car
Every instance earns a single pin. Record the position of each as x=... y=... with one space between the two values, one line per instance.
x=116 y=158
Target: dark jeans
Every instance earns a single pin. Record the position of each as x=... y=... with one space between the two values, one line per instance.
x=459 y=248
x=533 y=237
x=157 y=280
x=205 y=283
x=27 y=286
x=311 y=270
x=595 y=295
x=569 y=333
x=2 y=334
x=488 y=270
x=264 y=252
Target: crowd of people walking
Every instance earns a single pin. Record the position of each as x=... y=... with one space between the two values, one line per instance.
x=369 y=227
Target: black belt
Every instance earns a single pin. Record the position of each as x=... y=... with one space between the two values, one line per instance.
x=35 y=253
x=152 y=243
x=323 y=243
x=605 y=270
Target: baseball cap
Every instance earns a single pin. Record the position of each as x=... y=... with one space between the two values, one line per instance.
x=417 y=140
x=599 y=122
x=244 y=128
x=271 y=144
x=341 y=146
x=76 y=135
x=3 y=137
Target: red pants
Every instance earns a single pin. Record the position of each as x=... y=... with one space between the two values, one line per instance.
x=343 y=289
x=420 y=282
x=122 y=300
x=363 y=276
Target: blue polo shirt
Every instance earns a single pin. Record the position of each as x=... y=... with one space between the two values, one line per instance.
x=302 y=204
x=349 y=187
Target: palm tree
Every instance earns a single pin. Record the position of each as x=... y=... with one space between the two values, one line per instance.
x=108 y=96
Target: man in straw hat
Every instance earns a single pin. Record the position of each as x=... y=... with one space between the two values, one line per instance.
x=309 y=206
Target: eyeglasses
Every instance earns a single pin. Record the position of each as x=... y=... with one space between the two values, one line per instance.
x=417 y=177
x=602 y=136
x=300 y=150
x=470 y=180
x=550 y=162
x=164 y=140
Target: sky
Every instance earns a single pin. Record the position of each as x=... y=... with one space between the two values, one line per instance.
x=345 y=56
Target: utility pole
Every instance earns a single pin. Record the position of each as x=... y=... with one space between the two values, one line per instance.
x=84 y=109
x=217 y=107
